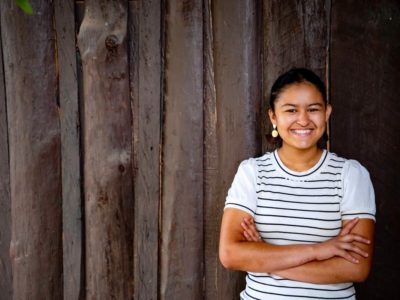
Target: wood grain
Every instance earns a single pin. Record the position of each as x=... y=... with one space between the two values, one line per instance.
x=107 y=134
x=365 y=75
x=35 y=148
x=73 y=264
x=5 y=201
x=182 y=181
x=237 y=79
x=146 y=87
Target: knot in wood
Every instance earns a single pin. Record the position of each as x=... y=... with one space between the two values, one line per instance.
x=111 y=42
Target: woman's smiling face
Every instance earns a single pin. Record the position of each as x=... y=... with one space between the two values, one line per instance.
x=300 y=116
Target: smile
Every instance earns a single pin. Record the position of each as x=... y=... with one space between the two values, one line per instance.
x=302 y=132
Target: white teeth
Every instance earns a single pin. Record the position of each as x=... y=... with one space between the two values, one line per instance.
x=302 y=131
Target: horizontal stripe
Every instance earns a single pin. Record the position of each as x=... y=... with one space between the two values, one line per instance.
x=296 y=225
x=336 y=160
x=324 y=180
x=335 y=167
x=301 y=218
x=240 y=205
x=300 y=187
x=266 y=171
x=299 y=202
x=298 y=195
x=297 y=209
x=267 y=165
x=291 y=240
x=266 y=159
x=272 y=177
x=297 y=233
x=331 y=173
x=299 y=296
x=360 y=213
x=300 y=287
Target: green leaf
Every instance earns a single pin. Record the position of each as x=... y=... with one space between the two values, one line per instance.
x=25 y=6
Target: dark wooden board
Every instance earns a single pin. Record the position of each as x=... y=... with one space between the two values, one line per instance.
x=107 y=135
x=73 y=264
x=5 y=201
x=35 y=148
x=365 y=75
x=181 y=266
x=237 y=80
x=296 y=34
x=145 y=45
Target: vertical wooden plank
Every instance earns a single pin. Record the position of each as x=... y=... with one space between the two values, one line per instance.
x=182 y=183
x=70 y=150
x=146 y=85
x=107 y=151
x=212 y=207
x=238 y=92
x=5 y=201
x=34 y=144
x=296 y=34
x=365 y=76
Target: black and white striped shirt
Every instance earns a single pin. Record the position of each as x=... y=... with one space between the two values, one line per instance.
x=300 y=208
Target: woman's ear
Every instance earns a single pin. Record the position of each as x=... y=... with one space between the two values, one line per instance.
x=328 y=112
x=272 y=116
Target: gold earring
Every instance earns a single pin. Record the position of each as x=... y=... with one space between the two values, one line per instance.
x=274 y=131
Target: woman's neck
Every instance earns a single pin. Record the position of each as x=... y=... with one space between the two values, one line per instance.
x=299 y=160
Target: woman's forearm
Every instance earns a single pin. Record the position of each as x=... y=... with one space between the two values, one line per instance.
x=330 y=271
x=263 y=257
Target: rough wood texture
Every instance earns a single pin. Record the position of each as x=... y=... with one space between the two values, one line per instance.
x=146 y=50
x=73 y=276
x=107 y=151
x=212 y=210
x=238 y=92
x=182 y=200
x=5 y=201
x=34 y=146
x=295 y=35
x=365 y=76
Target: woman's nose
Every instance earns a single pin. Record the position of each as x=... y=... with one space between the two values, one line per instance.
x=303 y=118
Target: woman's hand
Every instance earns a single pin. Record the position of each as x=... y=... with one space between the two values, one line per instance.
x=343 y=245
x=250 y=231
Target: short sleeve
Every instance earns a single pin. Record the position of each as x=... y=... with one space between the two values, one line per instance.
x=358 y=193
x=242 y=193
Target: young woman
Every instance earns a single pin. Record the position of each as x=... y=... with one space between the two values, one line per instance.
x=299 y=220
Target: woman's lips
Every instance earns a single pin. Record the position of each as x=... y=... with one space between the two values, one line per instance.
x=301 y=132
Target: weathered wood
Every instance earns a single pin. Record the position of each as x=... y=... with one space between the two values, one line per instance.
x=5 y=201
x=145 y=65
x=34 y=147
x=73 y=277
x=365 y=76
x=182 y=182
x=107 y=131
x=238 y=92
x=212 y=210
x=296 y=34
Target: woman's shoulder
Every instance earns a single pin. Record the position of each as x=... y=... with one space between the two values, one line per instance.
x=350 y=166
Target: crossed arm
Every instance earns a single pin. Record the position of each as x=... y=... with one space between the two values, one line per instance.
x=345 y=258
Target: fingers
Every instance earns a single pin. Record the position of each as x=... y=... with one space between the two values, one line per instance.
x=349 y=226
x=250 y=231
x=349 y=238
x=355 y=249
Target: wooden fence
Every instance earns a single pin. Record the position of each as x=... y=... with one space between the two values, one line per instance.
x=122 y=124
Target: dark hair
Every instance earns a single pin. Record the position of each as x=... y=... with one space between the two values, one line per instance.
x=295 y=76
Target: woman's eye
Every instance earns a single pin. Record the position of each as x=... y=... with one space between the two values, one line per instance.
x=291 y=110
x=313 y=109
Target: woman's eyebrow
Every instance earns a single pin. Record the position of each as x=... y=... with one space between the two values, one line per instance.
x=294 y=105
